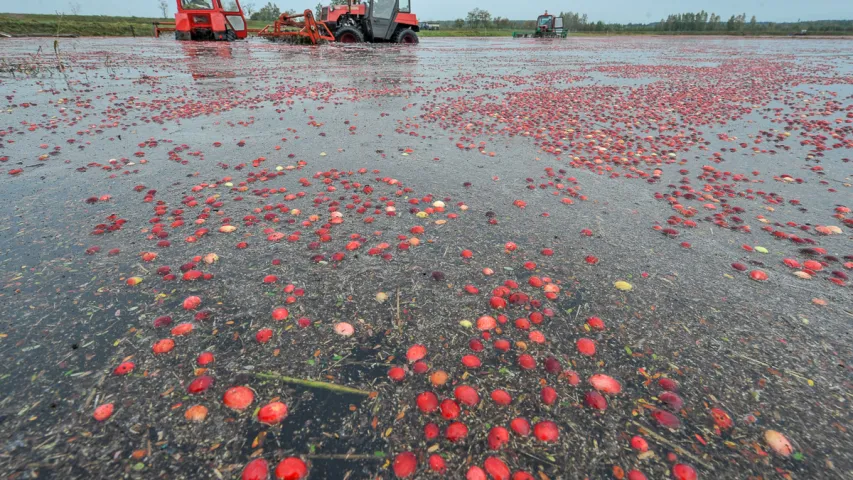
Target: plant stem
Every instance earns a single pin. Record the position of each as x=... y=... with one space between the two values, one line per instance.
x=312 y=383
x=344 y=456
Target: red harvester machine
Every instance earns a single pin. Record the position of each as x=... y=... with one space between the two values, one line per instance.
x=356 y=22
x=209 y=20
x=372 y=21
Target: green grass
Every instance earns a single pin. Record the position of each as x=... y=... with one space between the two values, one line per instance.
x=84 y=25
x=466 y=33
x=78 y=24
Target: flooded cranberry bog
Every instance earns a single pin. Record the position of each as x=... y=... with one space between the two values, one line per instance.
x=597 y=258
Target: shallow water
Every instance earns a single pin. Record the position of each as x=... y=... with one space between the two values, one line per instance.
x=104 y=116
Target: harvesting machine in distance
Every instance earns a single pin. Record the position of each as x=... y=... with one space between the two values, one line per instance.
x=209 y=20
x=547 y=26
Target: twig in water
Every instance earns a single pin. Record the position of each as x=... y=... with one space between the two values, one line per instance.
x=344 y=456
x=534 y=457
x=399 y=322
x=767 y=365
x=312 y=383
x=675 y=447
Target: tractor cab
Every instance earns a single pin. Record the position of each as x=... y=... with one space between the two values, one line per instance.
x=372 y=21
x=544 y=22
x=205 y=20
x=549 y=25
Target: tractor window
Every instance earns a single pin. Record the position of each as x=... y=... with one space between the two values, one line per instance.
x=196 y=5
x=544 y=21
x=383 y=8
x=404 y=6
x=236 y=22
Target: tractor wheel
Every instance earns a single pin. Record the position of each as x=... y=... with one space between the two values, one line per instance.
x=349 y=35
x=406 y=35
x=230 y=35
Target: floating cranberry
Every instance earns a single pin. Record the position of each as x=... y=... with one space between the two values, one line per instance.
x=546 y=431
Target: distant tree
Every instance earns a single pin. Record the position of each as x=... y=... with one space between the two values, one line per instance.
x=164 y=8
x=248 y=9
x=694 y=22
x=714 y=22
x=478 y=18
x=700 y=21
x=753 y=24
x=74 y=8
x=501 y=22
x=269 y=13
x=485 y=17
x=472 y=17
x=459 y=23
x=573 y=21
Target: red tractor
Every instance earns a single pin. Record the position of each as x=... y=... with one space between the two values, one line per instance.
x=209 y=20
x=372 y=21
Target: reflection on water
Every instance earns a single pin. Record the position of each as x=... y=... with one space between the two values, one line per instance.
x=217 y=50
x=207 y=59
x=432 y=59
x=398 y=70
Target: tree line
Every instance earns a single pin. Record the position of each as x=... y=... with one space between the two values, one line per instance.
x=698 y=22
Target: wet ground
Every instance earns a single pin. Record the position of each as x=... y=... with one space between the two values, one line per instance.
x=638 y=249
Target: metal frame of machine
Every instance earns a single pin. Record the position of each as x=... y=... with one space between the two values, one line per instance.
x=288 y=27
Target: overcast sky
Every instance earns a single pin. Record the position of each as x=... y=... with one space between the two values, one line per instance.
x=621 y=11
